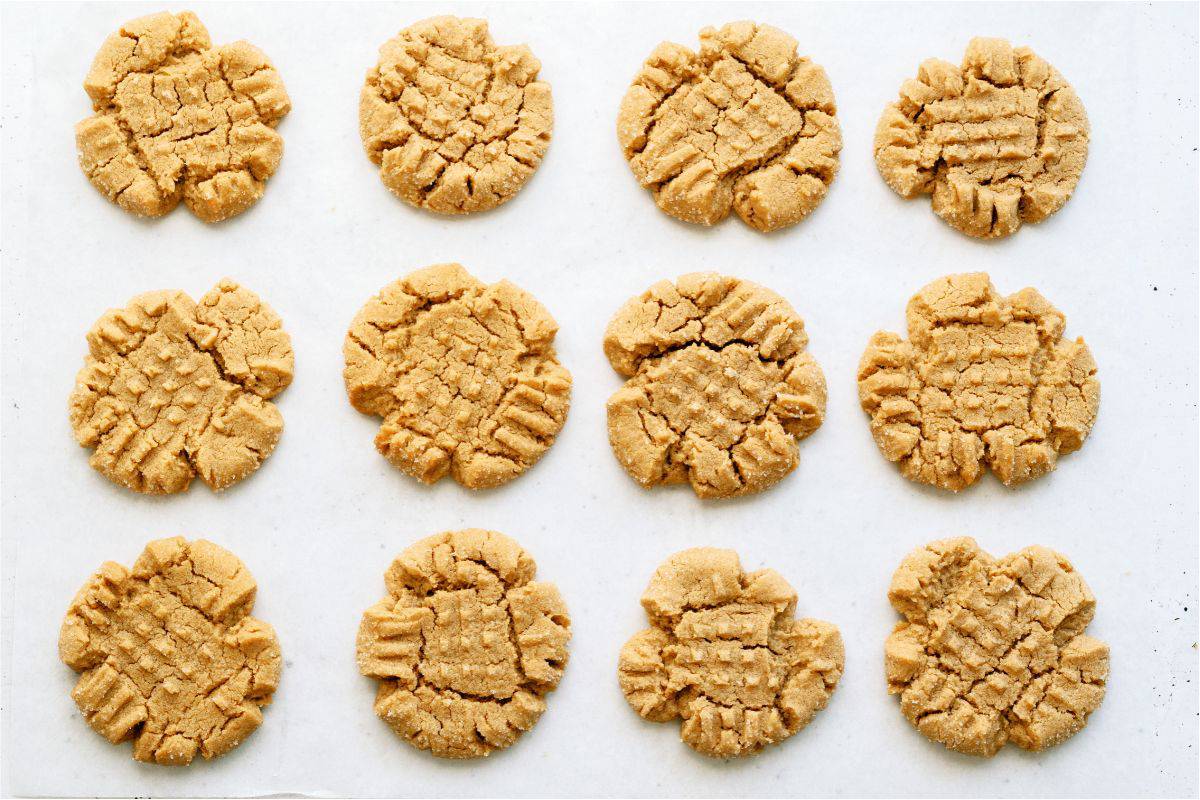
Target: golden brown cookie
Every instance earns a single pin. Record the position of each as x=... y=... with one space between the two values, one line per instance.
x=171 y=389
x=455 y=123
x=720 y=385
x=463 y=373
x=745 y=124
x=982 y=379
x=993 y=651
x=1000 y=141
x=168 y=654
x=466 y=645
x=177 y=119
x=725 y=653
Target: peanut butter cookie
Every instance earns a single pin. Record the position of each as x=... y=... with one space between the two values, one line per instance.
x=1000 y=141
x=983 y=379
x=743 y=124
x=177 y=119
x=725 y=653
x=993 y=651
x=464 y=375
x=455 y=123
x=171 y=389
x=168 y=654
x=720 y=386
x=466 y=645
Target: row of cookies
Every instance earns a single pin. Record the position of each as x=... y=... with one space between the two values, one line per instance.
x=466 y=646
x=457 y=124
x=719 y=389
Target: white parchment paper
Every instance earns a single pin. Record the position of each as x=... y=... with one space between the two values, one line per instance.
x=320 y=522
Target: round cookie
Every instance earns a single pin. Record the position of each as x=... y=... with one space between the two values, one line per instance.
x=725 y=653
x=1000 y=141
x=454 y=122
x=720 y=385
x=171 y=389
x=168 y=654
x=993 y=651
x=982 y=379
x=745 y=124
x=466 y=645
x=463 y=374
x=177 y=119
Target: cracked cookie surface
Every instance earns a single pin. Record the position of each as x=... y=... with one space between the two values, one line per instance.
x=176 y=118
x=982 y=379
x=454 y=122
x=725 y=653
x=999 y=141
x=171 y=389
x=463 y=373
x=745 y=124
x=992 y=651
x=168 y=654
x=720 y=387
x=466 y=645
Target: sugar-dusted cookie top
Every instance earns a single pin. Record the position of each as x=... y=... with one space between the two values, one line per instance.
x=992 y=651
x=463 y=373
x=744 y=124
x=982 y=379
x=167 y=653
x=720 y=385
x=171 y=389
x=725 y=653
x=466 y=645
x=999 y=141
x=455 y=122
x=176 y=118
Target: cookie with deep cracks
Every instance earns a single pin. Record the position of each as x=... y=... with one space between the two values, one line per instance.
x=463 y=373
x=455 y=122
x=998 y=141
x=168 y=653
x=745 y=124
x=725 y=653
x=720 y=386
x=171 y=389
x=993 y=650
x=178 y=119
x=466 y=645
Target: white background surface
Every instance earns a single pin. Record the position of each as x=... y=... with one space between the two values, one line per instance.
x=319 y=523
